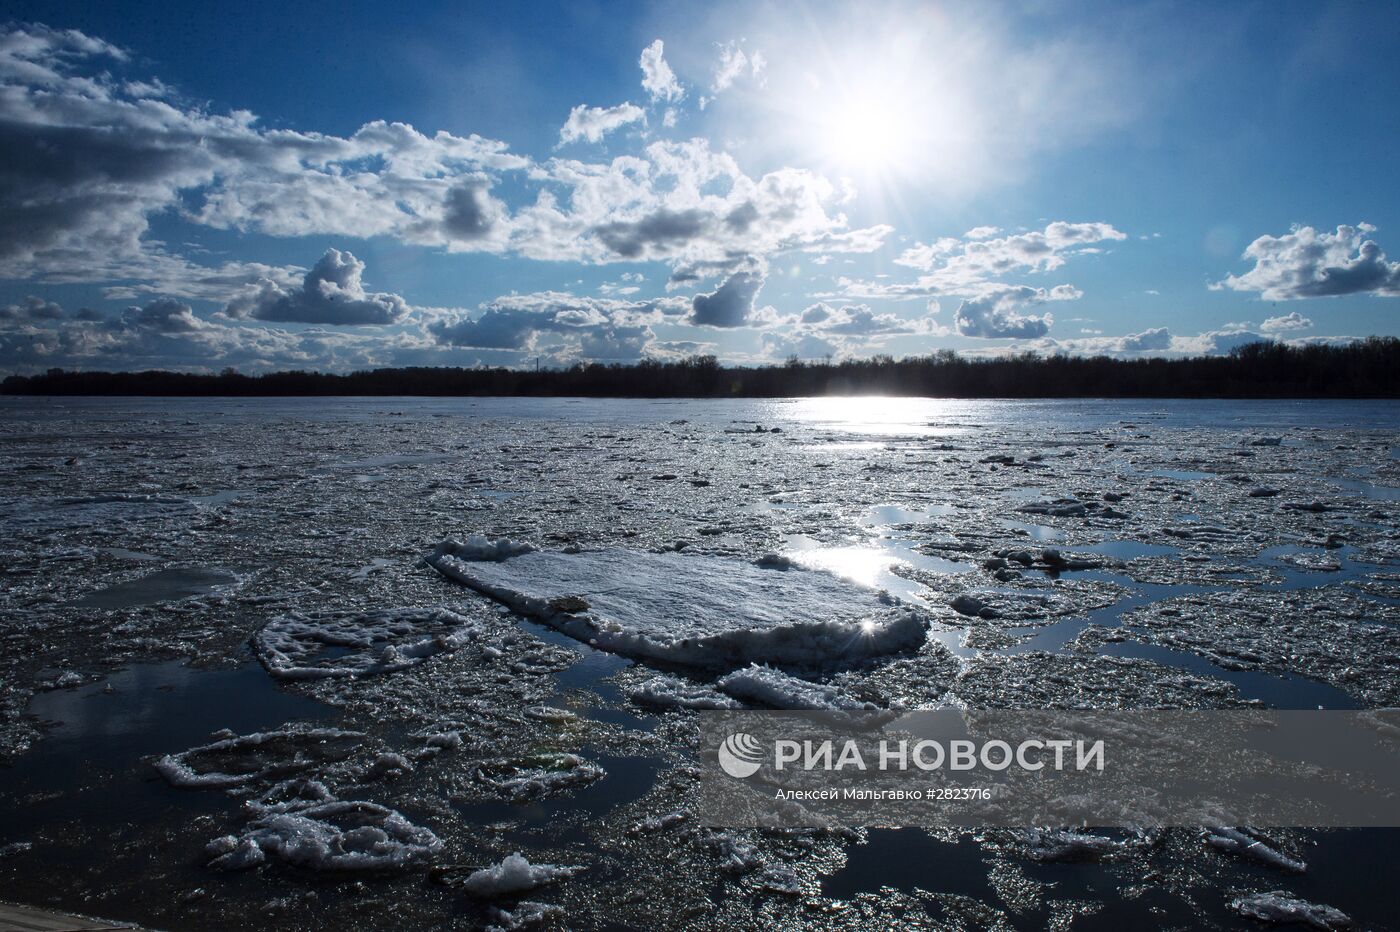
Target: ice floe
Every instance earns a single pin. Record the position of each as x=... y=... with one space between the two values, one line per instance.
x=672 y=692
x=1066 y=845
x=539 y=775
x=235 y=761
x=1248 y=845
x=1279 y=906
x=770 y=687
x=339 y=835
x=687 y=609
x=333 y=644
x=514 y=874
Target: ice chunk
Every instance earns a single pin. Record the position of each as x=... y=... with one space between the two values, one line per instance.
x=1071 y=846
x=525 y=915
x=234 y=854
x=670 y=692
x=736 y=855
x=781 y=691
x=696 y=610
x=482 y=549
x=539 y=775
x=1237 y=842
x=236 y=761
x=343 y=835
x=1279 y=906
x=780 y=878
x=289 y=796
x=388 y=765
x=295 y=647
x=515 y=875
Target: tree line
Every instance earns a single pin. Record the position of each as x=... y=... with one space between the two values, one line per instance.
x=1367 y=368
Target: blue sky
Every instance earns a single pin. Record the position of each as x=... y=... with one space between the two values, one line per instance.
x=337 y=186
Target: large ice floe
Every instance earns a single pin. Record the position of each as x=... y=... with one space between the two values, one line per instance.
x=686 y=609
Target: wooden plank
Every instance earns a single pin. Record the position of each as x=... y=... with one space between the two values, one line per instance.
x=14 y=918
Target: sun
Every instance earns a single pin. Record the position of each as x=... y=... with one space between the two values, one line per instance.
x=888 y=109
x=866 y=131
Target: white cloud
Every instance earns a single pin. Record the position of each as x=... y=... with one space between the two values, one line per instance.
x=331 y=293
x=979 y=256
x=135 y=155
x=997 y=314
x=735 y=63
x=593 y=123
x=859 y=321
x=1216 y=342
x=657 y=77
x=975 y=263
x=801 y=345
x=130 y=155
x=685 y=203
x=1155 y=340
x=167 y=334
x=1290 y=321
x=560 y=325
x=1306 y=263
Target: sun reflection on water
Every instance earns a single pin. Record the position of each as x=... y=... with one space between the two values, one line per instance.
x=883 y=416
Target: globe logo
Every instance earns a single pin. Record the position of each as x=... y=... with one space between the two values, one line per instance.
x=740 y=755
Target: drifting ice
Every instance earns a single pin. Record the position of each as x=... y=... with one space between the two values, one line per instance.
x=249 y=758
x=341 y=835
x=515 y=875
x=777 y=689
x=1278 y=906
x=695 y=610
x=291 y=647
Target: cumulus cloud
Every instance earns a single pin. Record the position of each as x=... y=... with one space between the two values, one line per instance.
x=801 y=345
x=858 y=320
x=469 y=212
x=1155 y=340
x=1286 y=322
x=593 y=123
x=165 y=315
x=125 y=152
x=331 y=293
x=1216 y=342
x=131 y=149
x=684 y=203
x=732 y=303
x=997 y=313
x=981 y=255
x=978 y=262
x=658 y=79
x=658 y=232
x=1306 y=263
x=32 y=309
x=562 y=324
x=167 y=334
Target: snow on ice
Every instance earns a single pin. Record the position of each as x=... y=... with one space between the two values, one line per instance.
x=687 y=609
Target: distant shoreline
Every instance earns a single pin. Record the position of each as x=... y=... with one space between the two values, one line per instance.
x=1367 y=368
